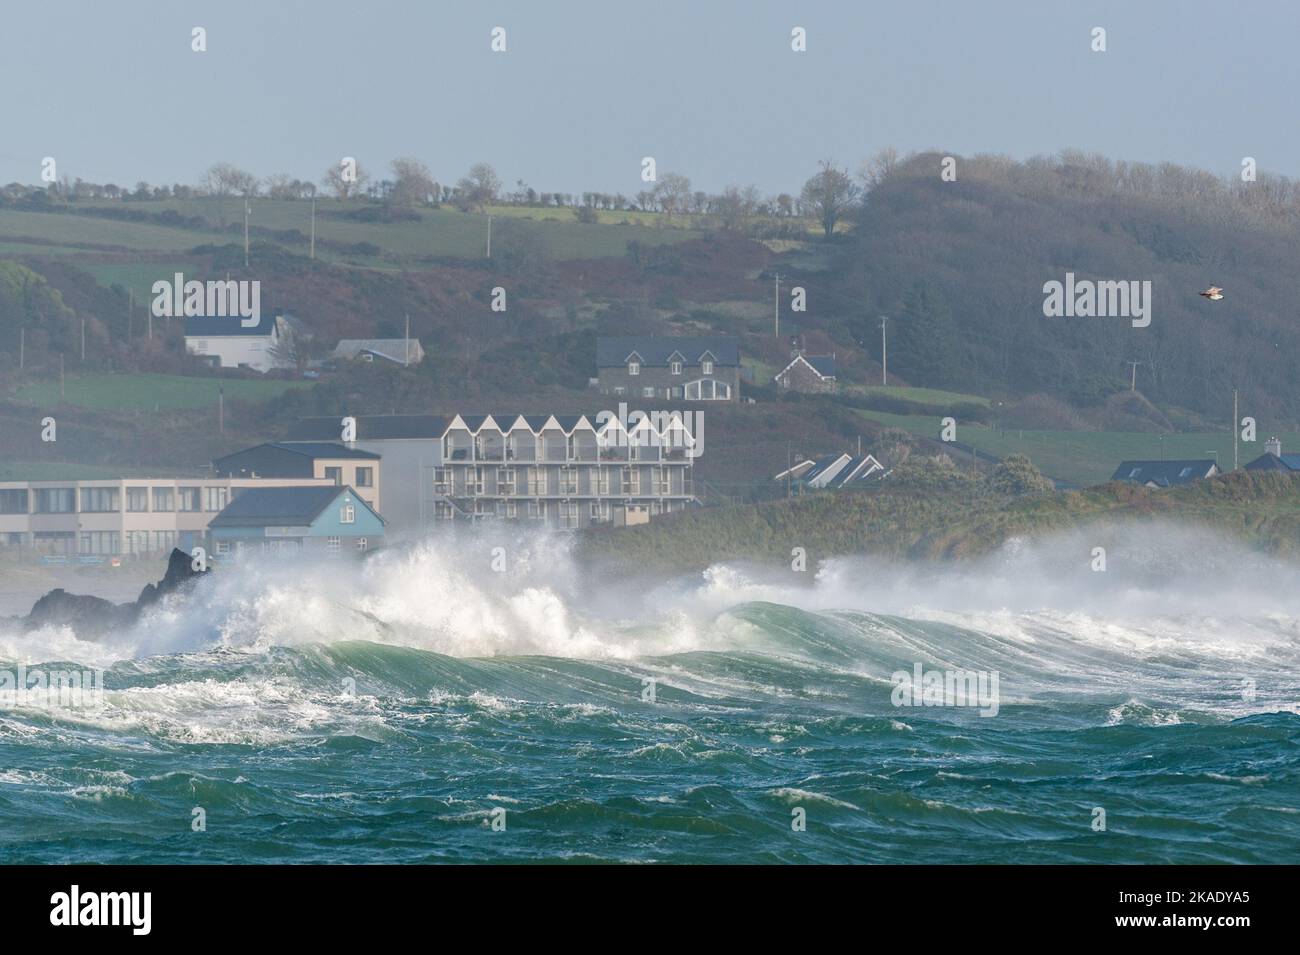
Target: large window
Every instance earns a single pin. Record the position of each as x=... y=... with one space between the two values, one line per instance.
x=99 y=500
x=707 y=389
x=365 y=477
x=99 y=542
x=164 y=499
x=334 y=474
x=137 y=499
x=188 y=497
x=13 y=500
x=215 y=498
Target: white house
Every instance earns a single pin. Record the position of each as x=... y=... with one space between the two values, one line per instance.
x=227 y=344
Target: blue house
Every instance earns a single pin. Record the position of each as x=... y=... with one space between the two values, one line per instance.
x=1274 y=460
x=292 y=520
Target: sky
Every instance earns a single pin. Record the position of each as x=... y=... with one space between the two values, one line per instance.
x=710 y=88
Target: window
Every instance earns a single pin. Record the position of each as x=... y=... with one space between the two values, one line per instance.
x=215 y=498
x=13 y=501
x=332 y=546
x=189 y=498
x=163 y=541
x=55 y=500
x=348 y=514
x=362 y=544
x=505 y=480
x=706 y=389
x=365 y=477
x=223 y=546
x=706 y=367
x=164 y=499
x=334 y=474
x=137 y=542
x=99 y=542
x=99 y=500
x=568 y=482
x=634 y=368
x=620 y=390
x=137 y=499
x=648 y=392
x=675 y=368
x=1184 y=472
x=441 y=481
x=602 y=481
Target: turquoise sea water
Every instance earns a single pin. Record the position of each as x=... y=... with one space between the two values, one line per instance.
x=316 y=716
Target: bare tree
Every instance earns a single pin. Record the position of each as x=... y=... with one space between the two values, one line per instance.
x=829 y=195
x=875 y=169
x=412 y=183
x=478 y=188
x=674 y=194
x=345 y=186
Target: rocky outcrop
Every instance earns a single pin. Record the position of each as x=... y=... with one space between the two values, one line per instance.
x=92 y=617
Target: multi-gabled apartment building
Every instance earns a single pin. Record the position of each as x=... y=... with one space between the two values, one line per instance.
x=562 y=471
x=672 y=368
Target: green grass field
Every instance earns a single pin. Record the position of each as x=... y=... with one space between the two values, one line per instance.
x=929 y=396
x=437 y=232
x=145 y=392
x=1085 y=457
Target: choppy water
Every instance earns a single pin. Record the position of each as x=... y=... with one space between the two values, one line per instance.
x=382 y=715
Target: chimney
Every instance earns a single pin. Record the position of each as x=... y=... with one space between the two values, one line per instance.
x=1273 y=446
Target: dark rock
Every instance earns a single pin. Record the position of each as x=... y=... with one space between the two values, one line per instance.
x=92 y=617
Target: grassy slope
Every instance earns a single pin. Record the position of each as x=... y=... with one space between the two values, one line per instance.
x=1083 y=457
x=144 y=392
x=1261 y=508
x=437 y=232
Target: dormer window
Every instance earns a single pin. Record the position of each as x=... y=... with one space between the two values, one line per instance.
x=676 y=367
x=706 y=366
x=634 y=367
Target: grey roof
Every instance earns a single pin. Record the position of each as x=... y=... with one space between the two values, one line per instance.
x=323 y=449
x=218 y=326
x=1274 y=462
x=823 y=364
x=1164 y=473
x=393 y=349
x=271 y=506
x=657 y=351
x=854 y=469
x=372 y=427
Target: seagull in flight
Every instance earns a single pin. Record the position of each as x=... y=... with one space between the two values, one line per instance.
x=1213 y=293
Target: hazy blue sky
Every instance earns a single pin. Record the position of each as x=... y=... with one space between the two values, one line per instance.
x=710 y=89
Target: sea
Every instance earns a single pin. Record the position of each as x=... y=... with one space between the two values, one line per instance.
x=492 y=696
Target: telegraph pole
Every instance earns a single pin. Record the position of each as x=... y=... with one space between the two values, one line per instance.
x=884 y=353
x=313 y=226
x=1236 y=426
x=246 y=212
x=408 y=339
x=1133 y=381
x=489 y=244
x=776 y=306
x=221 y=410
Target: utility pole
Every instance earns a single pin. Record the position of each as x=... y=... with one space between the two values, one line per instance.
x=776 y=306
x=22 y=348
x=62 y=391
x=489 y=248
x=130 y=313
x=1236 y=432
x=884 y=353
x=83 y=339
x=313 y=226
x=221 y=410
x=1133 y=380
x=408 y=339
x=246 y=212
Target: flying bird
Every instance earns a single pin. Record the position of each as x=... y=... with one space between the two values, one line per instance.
x=1213 y=293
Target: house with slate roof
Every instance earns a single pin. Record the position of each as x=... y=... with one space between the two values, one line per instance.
x=1165 y=473
x=395 y=351
x=328 y=460
x=833 y=472
x=669 y=368
x=1274 y=460
x=810 y=373
x=226 y=343
x=291 y=520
